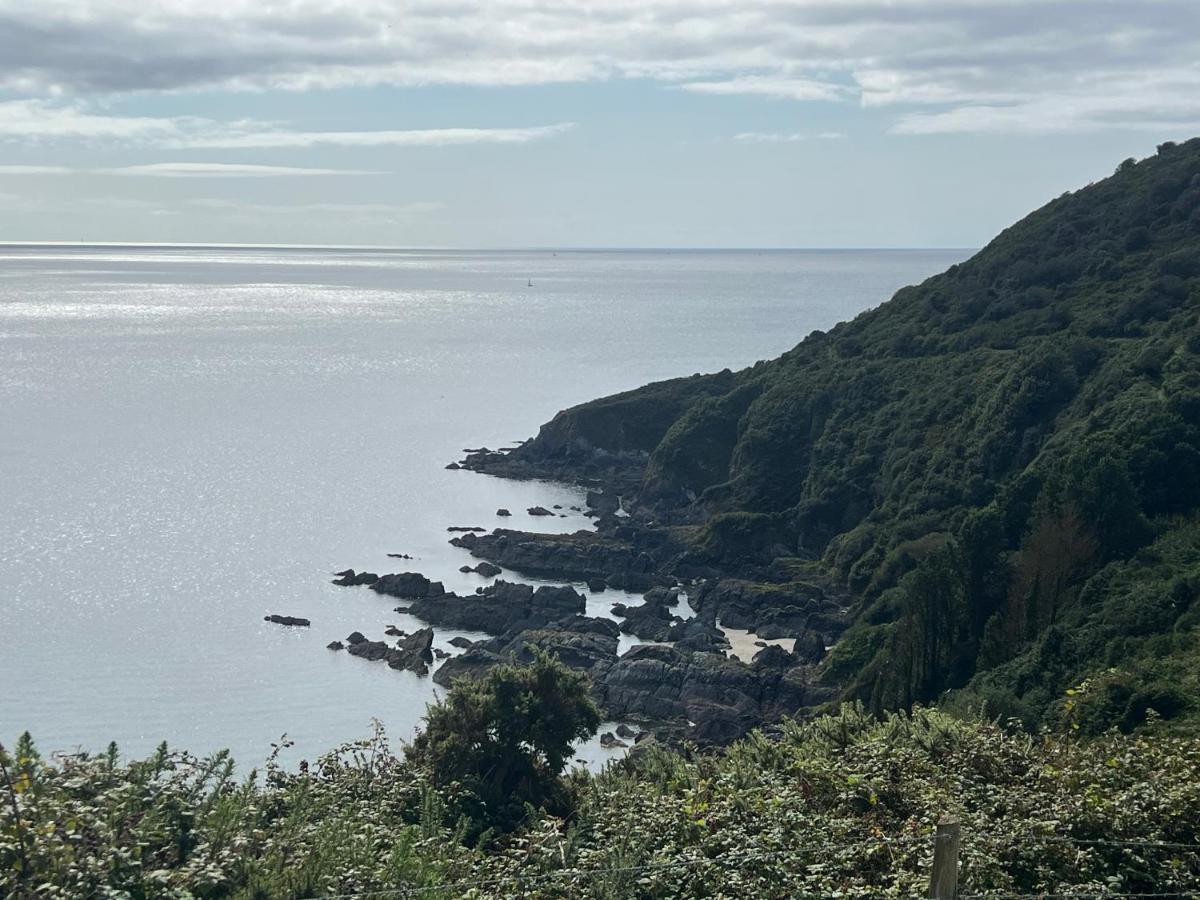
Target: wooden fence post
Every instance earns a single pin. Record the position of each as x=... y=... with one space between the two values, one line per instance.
x=943 y=885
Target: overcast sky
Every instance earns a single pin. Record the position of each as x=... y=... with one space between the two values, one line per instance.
x=811 y=123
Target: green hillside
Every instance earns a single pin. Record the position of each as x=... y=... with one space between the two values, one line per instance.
x=1001 y=463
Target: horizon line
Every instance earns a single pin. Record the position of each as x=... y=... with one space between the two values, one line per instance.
x=583 y=248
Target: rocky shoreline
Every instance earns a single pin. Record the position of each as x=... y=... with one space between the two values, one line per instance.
x=679 y=680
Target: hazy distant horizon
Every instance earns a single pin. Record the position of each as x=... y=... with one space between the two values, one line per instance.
x=567 y=248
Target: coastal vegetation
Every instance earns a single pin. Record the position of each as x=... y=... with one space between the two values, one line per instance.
x=1001 y=465
x=838 y=806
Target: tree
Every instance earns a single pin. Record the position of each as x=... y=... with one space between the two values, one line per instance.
x=502 y=741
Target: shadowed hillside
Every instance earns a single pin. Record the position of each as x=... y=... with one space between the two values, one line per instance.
x=1002 y=463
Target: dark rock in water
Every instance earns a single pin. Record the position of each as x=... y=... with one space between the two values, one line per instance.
x=651 y=621
x=412 y=653
x=503 y=512
x=454 y=465
x=773 y=610
x=372 y=650
x=486 y=569
x=576 y=509
x=603 y=502
x=473 y=663
x=287 y=620
x=399 y=556
x=499 y=607
x=393 y=631
x=609 y=741
x=722 y=696
x=698 y=637
x=439 y=653
x=596 y=585
x=558 y=506
x=350 y=578
x=633 y=582
x=466 y=528
x=345 y=573
x=774 y=657
x=624 y=731
x=356 y=637
x=583 y=643
x=335 y=645
x=539 y=511
x=570 y=557
x=408 y=586
x=809 y=647
x=461 y=642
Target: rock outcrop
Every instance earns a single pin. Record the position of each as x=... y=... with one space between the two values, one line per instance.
x=287 y=620
x=413 y=652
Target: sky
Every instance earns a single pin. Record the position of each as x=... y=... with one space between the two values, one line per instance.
x=535 y=123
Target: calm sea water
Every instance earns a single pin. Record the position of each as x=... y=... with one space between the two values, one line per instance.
x=193 y=438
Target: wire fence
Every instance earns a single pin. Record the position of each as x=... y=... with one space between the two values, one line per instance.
x=574 y=874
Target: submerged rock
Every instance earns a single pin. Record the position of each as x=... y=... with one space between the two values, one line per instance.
x=335 y=645
x=539 y=511
x=461 y=642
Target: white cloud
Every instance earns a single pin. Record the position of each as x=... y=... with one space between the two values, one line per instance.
x=224 y=170
x=1026 y=66
x=785 y=137
x=42 y=120
x=390 y=210
x=188 y=170
x=769 y=137
x=431 y=137
x=766 y=86
x=35 y=170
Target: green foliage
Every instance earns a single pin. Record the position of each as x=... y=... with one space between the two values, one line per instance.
x=843 y=805
x=501 y=742
x=1050 y=384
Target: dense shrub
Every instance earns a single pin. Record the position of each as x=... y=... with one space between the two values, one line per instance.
x=840 y=806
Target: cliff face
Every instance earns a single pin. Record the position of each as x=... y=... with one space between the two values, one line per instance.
x=972 y=458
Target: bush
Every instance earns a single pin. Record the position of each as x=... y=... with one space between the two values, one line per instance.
x=503 y=741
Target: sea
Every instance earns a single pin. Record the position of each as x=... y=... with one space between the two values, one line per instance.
x=194 y=437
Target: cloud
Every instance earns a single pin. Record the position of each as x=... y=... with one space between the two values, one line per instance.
x=224 y=170
x=42 y=120
x=1013 y=66
x=431 y=137
x=769 y=137
x=238 y=207
x=187 y=170
x=765 y=86
x=35 y=170
x=784 y=137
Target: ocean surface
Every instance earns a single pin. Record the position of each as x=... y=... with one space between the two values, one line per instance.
x=193 y=438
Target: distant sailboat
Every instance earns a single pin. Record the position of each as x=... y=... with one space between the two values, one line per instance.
x=530 y=282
